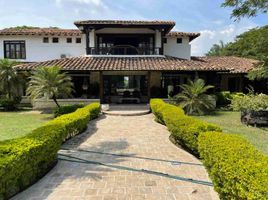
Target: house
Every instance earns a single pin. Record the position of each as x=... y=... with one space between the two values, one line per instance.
x=122 y=61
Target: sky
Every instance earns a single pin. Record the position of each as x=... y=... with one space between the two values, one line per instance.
x=204 y=16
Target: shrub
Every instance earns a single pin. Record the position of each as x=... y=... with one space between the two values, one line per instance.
x=237 y=169
x=194 y=98
x=23 y=161
x=184 y=129
x=250 y=102
x=9 y=104
x=58 y=111
x=224 y=98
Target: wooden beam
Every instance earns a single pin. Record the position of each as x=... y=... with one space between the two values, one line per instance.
x=101 y=86
x=149 y=84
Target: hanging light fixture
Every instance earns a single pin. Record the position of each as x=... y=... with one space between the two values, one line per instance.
x=85 y=84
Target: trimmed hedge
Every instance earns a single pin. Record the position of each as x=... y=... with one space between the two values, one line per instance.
x=184 y=129
x=237 y=169
x=23 y=161
x=66 y=109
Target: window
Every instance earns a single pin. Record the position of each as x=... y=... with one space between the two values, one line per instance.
x=179 y=40
x=165 y=40
x=55 y=40
x=69 y=40
x=14 y=49
x=45 y=40
x=78 y=40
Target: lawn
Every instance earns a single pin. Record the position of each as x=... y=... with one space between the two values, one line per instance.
x=18 y=124
x=230 y=122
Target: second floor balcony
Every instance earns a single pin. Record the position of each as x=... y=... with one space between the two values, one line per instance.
x=124 y=44
x=124 y=50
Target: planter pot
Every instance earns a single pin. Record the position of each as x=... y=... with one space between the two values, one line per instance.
x=256 y=118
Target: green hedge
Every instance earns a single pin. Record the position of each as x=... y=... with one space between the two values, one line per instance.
x=237 y=169
x=23 y=161
x=184 y=129
x=66 y=109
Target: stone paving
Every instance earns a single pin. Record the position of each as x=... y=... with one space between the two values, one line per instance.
x=123 y=158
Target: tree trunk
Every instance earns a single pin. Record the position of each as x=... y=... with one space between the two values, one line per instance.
x=55 y=100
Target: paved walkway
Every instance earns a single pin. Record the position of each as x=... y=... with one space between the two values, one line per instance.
x=123 y=158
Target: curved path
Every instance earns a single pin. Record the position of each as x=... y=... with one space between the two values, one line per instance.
x=123 y=158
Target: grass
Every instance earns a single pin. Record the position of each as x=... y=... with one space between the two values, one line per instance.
x=230 y=122
x=18 y=124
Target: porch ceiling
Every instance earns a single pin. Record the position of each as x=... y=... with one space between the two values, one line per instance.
x=85 y=63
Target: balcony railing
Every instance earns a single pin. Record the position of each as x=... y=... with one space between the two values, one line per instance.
x=123 y=50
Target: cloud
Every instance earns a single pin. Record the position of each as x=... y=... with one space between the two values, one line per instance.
x=201 y=45
x=94 y=2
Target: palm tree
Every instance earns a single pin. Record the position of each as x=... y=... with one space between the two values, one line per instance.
x=49 y=82
x=193 y=98
x=9 y=78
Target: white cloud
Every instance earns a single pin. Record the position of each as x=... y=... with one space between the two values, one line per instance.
x=202 y=44
x=94 y=2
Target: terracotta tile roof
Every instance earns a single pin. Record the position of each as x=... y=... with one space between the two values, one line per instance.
x=180 y=34
x=124 y=22
x=41 y=31
x=232 y=63
x=226 y=64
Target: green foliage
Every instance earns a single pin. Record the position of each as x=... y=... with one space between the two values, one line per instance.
x=250 y=102
x=10 y=79
x=217 y=49
x=246 y=8
x=184 y=129
x=66 y=109
x=23 y=161
x=49 y=82
x=193 y=98
x=237 y=169
x=261 y=72
x=224 y=98
x=9 y=104
x=250 y=44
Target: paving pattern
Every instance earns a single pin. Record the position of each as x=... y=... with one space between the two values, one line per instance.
x=123 y=157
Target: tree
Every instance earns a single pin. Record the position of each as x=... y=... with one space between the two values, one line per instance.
x=246 y=8
x=9 y=78
x=193 y=98
x=261 y=72
x=217 y=49
x=49 y=82
x=250 y=44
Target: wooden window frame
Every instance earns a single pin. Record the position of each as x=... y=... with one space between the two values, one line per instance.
x=179 y=40
x=55 y=40
x=78 y=40
x=45 y=40
x=22 y=51
x=69 y=40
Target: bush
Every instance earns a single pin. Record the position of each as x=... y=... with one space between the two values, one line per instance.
x=184 y=129
x=66 y=109
x=9 y=104
x=224 y=98
x=237 y=169
x=23 y=161
x=250 y=102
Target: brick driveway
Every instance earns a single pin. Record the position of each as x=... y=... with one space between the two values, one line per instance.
x=123 y=158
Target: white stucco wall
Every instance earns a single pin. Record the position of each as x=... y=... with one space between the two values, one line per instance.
x=36 y=50
x=179 y=50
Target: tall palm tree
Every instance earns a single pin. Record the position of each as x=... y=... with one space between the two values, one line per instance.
x=49 y=82
x=9 y=78
x=193 y=98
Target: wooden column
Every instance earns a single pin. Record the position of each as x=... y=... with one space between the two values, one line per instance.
x=101 y=87
x=149 y=84
x=87 y=42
